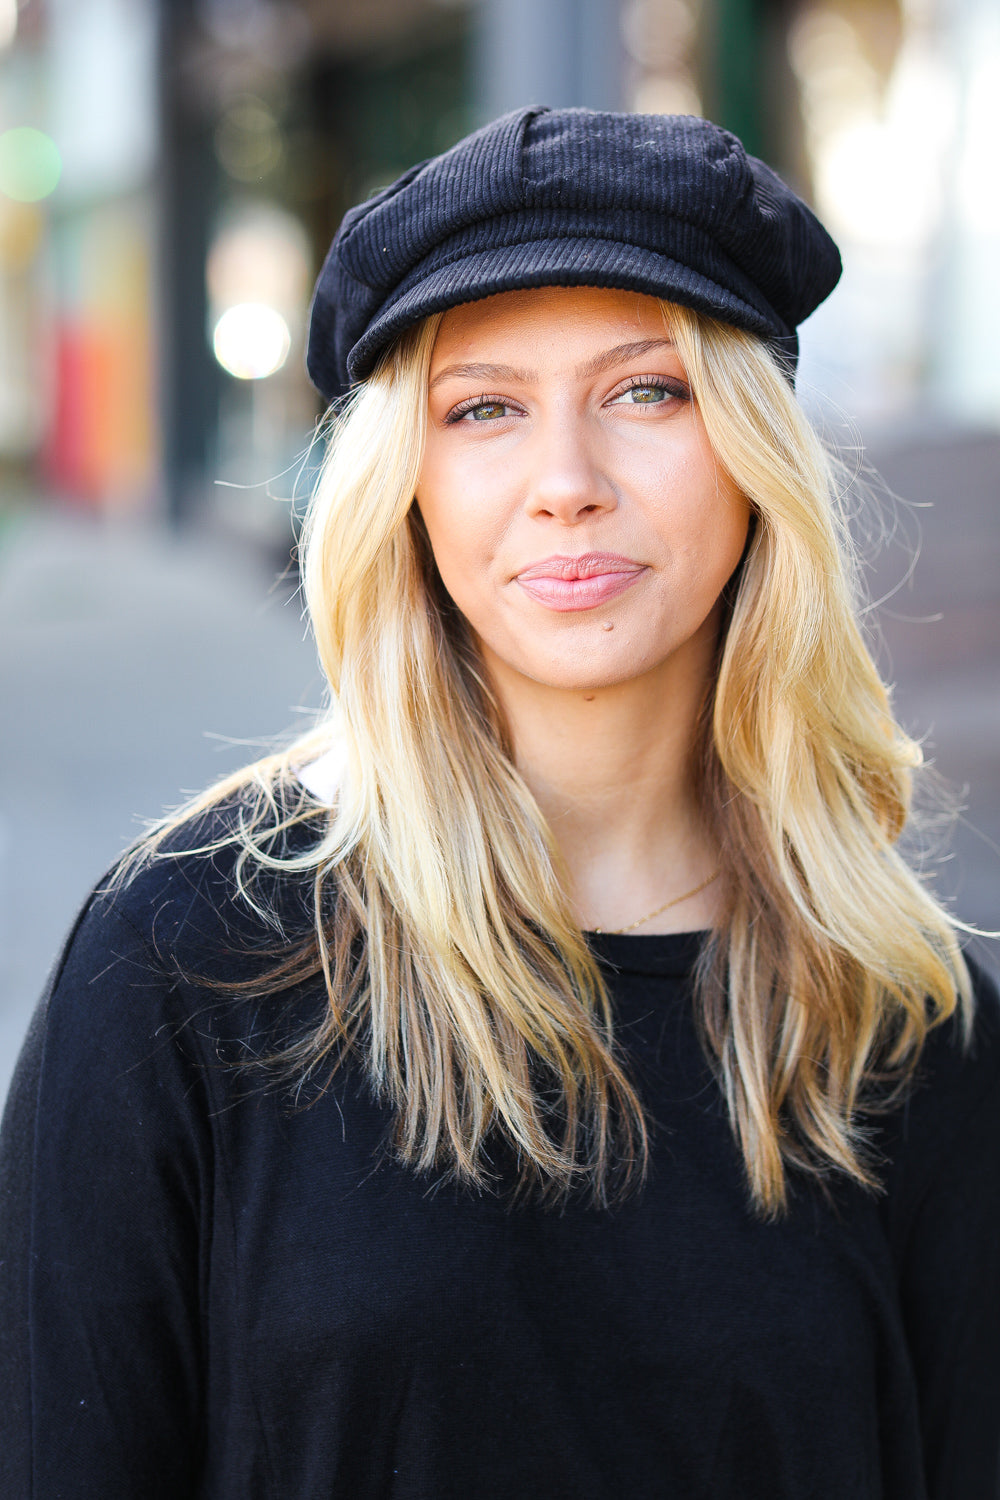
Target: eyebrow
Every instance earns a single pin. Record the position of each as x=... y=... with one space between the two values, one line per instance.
x=619 y=354
x=596 y=366
x=483 y=372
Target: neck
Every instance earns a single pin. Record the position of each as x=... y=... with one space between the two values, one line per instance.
x=614 y=772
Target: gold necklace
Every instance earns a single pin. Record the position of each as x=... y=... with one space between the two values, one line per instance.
x=618 y=931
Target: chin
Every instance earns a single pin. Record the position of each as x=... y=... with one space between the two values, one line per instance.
x=586 y=677
x=590 y=667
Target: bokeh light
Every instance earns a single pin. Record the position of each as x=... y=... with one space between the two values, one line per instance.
x=659 y=37
x=30 y=164
x=251 y=340
x=247 y=140
x=8 y=22
x=878 y=136
x=260 y=253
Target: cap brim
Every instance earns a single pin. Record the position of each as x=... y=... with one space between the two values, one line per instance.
x=560 y=262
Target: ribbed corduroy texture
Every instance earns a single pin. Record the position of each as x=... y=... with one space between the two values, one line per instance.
x=670 y=205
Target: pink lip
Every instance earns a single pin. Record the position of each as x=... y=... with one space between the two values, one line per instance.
x=573 y=583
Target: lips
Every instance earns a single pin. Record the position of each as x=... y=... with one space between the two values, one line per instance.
x=576 y=583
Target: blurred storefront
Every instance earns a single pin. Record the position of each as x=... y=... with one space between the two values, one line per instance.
x=275 y=119
x=172 y=170
x=901 y=107
x=76 y=230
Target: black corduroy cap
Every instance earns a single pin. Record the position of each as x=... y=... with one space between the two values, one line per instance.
x=670 y=205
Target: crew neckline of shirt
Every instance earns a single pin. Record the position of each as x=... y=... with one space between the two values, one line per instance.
x=661 y=953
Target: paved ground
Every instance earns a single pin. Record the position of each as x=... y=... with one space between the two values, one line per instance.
x=940 y=642
x=130 y=663
x=133 y=667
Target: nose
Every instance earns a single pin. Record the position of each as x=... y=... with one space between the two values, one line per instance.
x=566 y=480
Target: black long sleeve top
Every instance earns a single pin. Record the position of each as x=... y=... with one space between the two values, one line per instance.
x=212 y=1293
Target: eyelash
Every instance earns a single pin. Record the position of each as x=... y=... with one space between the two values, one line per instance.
x=635 y=382
x=464 y=407
x=656 y=383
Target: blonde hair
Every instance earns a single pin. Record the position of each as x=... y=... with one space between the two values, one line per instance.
x=452 y=962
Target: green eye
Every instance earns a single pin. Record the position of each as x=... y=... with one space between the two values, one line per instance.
x=646 y=395
x=488 y=411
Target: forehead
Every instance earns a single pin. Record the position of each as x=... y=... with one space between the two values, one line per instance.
x=542 y=316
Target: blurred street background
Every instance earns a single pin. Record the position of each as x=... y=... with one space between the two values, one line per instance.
x=171 y=172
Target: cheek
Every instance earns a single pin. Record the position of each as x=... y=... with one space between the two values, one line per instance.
x=711 y=551
x=723 y=547
x=729 y=530
x=459 y=547
x=699 y=512
x=465 y=519
x=447 y=523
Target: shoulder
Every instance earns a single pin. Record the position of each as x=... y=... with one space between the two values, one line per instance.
x=958 y=1070
x=203 y=899
x=174 y=934
x=947 y=1126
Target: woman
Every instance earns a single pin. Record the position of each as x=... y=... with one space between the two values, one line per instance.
x=547 y=1078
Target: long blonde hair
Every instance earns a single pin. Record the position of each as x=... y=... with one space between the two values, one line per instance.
x=453 y=966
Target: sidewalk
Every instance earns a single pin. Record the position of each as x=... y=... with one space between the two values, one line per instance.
x=941 y=642
x=130 y=662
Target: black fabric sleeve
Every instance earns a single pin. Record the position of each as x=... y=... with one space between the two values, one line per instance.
x=949 y=1270
x=16 y=1140
x=105 y=1175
